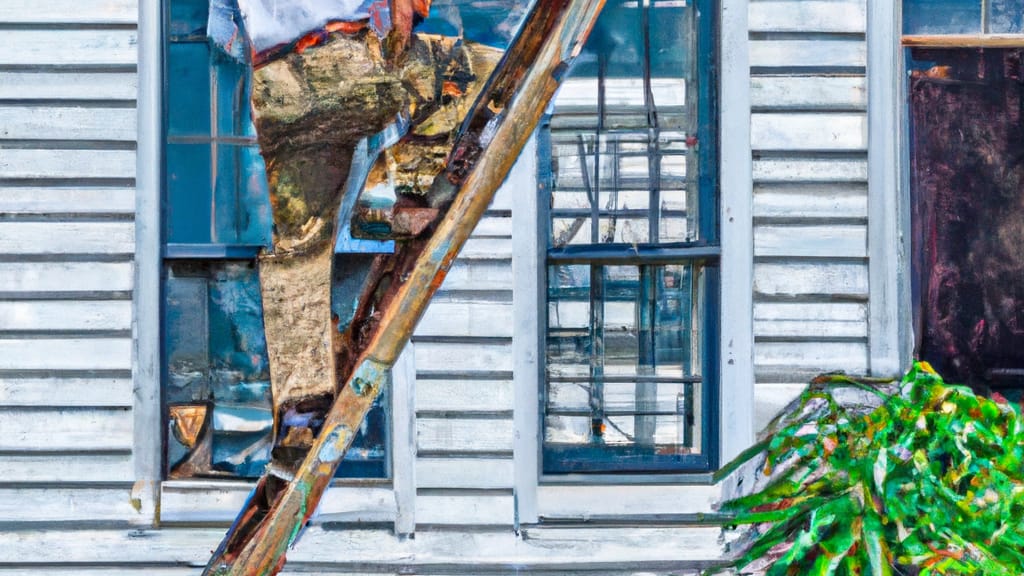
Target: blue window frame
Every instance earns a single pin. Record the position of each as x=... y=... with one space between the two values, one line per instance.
x=218 y=407
x=628 y=177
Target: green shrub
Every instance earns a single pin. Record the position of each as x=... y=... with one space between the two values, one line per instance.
x=930 y=482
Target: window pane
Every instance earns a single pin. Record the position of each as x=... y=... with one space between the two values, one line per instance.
x=188 y=89
x=623 y=362
x=188 y=215
x=1006 y=16
x=942 y=17
x=219 y=409
x=188 y=17
x=623 y=161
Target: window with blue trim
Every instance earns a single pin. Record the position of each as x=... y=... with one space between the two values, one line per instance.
x=218 y=407
x=628 y=176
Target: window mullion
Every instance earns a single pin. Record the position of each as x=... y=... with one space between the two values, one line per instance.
x=646 y=392
x=597 y=407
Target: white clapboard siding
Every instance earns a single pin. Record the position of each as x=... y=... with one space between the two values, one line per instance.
x=190 y=502
x=816 y=241
x=69 y=11
x=770 y=399
x=793 y=170
x=66 y=468
x=463 y=435
x=110 y=571
x=457 y=395
x=610 y=550
x=808 y=132
x=463 y=357
x=36 y=315
x=585 y=502
x=477 y=275
x=61 y=238
x=479 y=319
x=808 y=53
x=809 y=92
x=809 y=137
x=837 y=16
x=479 y=473
x=27 y=85
x=487 y=248
x=56 y=430
x=78 y=504
x=779 y=361
x=797 y=279
x=67 y=277
x=95 y=47
x=67 y=123
x=72 y=353
x=73 y=200
x=71 y=164
x=66 y=391
x=810 y=320
x=814 y=201
x=468 y=509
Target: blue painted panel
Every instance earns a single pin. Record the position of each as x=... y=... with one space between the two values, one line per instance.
x=241 y=200
x=233 y=116
x=188 y=212
x=188 y=89
x=942 y=16
x=188 y=17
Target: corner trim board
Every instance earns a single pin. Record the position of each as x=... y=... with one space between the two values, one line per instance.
x=147 y=447
x=736 y=389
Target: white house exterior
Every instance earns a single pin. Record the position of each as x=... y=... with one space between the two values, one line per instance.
x=812 y=261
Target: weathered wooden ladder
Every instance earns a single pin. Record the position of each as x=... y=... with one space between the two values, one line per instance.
x=401 y=285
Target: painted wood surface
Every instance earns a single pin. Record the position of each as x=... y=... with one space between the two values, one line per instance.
x=218 y=502
x=69 y=12
x=30 y=278
x=67 y=123
x=610 y=550
x=66 y=392
x=29 y=85
x=67 y=239
x=67 y=200
x=809 y=136
x=93 y=48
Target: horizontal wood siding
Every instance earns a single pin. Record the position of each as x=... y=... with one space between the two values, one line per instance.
x=464 y=395
x=67 y=241
x=809 y=140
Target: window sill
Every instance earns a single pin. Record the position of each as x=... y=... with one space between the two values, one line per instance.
x=218 y=501
x=212 y=251
x=685 y=479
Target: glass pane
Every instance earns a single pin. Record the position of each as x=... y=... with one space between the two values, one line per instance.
x=189 y=209
x=188 y=89
x=942 y=17
x=1006 y=16
x=188 y=17
x=623 y=359
x=232 y=90
x=623 y=162
x=219 y=411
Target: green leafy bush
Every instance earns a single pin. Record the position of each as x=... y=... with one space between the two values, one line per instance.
x=929 y=482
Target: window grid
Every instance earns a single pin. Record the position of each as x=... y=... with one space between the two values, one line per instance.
x=667 y=133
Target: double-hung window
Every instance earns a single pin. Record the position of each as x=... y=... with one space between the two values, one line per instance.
x=218 y=409
x=627 y=173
